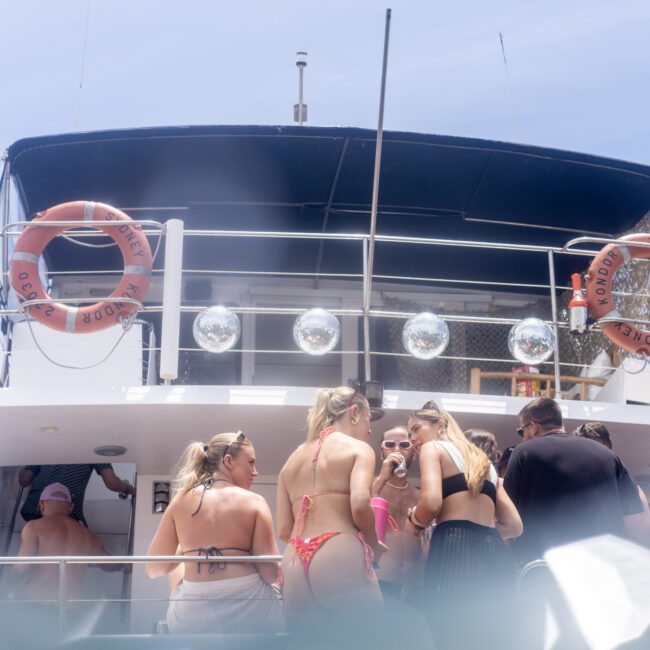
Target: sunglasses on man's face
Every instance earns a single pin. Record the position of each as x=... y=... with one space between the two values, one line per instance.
x=392 y=444
x=521 y=430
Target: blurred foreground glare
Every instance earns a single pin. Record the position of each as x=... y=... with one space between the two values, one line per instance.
x=606 y=583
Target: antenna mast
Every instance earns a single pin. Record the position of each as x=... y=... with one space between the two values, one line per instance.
x=369 y=256
x=510 y=91
x=300 y=109
x=83 y=63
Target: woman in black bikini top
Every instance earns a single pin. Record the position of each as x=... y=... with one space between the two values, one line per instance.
x=214 y=515
x=469 y=573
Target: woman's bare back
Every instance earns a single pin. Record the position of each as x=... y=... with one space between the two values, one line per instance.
x=326 y=484
x=225 y=521
x=335 y=575
x=462 y=505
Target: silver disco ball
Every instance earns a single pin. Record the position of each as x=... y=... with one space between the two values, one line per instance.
x=316 y=331
x=531 y=341
x=216 y=329
x=425 y=335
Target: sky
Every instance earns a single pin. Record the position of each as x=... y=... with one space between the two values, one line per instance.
x=579 y=71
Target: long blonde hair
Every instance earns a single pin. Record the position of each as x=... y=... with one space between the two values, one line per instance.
x=331 y=404
x=201 y=460
x=477 y=464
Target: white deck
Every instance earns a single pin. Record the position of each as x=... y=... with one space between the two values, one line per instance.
x=156 y=422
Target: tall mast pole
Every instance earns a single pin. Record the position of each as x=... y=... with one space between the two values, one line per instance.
x=375 y=202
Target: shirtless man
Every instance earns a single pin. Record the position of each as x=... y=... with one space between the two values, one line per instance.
x=56 y=533
x=402 y=565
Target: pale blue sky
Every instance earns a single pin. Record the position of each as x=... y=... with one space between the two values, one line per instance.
x=580 y=70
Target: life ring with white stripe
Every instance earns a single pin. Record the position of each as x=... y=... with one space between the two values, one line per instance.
x=134 y=284
x=599 y=292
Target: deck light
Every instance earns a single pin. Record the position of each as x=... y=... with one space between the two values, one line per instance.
x=216 y=329
x=316 y=331
x=425 y=335
x=161 y=491
x=110 y=450
x=531 y=341
x=374 y=393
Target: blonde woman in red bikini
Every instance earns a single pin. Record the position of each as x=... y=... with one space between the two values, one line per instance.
x=324 y=511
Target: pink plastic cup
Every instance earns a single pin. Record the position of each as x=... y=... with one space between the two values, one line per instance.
x=380 y=508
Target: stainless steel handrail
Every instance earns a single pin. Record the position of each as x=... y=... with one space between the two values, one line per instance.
x=621 y=319
x=126 y=577
x=299 y=274
x=79 y=223
x=135 y=559
x=73 y=301
x=12 y=525
x=554 y=323
x=405 y=355
x=5 y=349
x=5 y=191
x=295 y=311
x=366 y=239
x=64 y=560
x=276 y=234
x=352 y=276
x=527 y=568
x=389 y=239
x=601 y=240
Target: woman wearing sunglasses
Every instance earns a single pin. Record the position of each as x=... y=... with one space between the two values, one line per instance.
x=214 y=514
x=469 y=574
x=324 y=512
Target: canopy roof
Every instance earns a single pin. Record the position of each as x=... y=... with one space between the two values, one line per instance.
x=313 y=179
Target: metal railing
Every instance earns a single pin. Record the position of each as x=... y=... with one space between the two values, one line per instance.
x=364 y=311
x=12 y=525
x=126 y=582
x=527 y=568
x=130 y=540
x=63 y=562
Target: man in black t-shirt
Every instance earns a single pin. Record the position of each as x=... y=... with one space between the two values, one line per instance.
x=565 y=488
x=74 y=477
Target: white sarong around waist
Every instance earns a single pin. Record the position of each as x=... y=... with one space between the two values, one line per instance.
x=246 y=604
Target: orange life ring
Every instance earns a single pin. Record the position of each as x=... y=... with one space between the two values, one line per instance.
x=134 y=283
x=599 y=292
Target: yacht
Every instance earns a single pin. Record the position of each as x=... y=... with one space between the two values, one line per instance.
x=277 y=221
